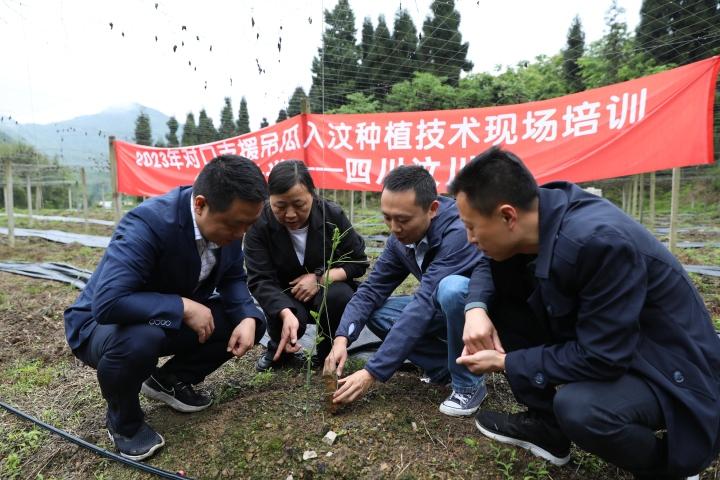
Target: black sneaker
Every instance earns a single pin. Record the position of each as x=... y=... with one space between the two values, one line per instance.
x=530 y=430
x=140 y=446
x=265 y=360
x=179 y=395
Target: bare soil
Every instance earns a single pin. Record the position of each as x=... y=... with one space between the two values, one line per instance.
x=260 y=424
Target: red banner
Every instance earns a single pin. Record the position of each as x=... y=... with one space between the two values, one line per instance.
x=652 y=123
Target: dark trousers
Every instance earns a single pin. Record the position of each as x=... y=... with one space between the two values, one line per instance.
x=616 y=420
x=338 y=296
x=126 y=355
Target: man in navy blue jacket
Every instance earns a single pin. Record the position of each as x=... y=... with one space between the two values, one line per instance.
x=608 y=342
x=152 y=295
x=427 y=241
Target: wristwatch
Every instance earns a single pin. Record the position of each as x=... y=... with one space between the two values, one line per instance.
x=319 y=272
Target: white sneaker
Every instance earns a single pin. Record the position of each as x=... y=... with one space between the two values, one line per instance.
x=464 y=404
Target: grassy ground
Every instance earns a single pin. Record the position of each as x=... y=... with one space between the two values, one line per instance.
x=261 y=424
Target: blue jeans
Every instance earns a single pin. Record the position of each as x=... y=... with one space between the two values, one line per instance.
x=436 y=351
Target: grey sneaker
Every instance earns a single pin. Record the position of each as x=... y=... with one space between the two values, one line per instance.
x=464 y=404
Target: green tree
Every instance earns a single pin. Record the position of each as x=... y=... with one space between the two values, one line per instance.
x=379 y=63
x=358 y=102
x=574 y=49
x=679 y=31
x=528 y=82
x=189 y=135
x=424 y=92
x=335 y=67
x=295 y=105
x=366 y=42
x=227 y=121
x=441 y=51
x=404 y=54
x=171 y=136
x=243 y=122
x=206 y=132
x=264 y=123
x=143 y=133
x=282 y=115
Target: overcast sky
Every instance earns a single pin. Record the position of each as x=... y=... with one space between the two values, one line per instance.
x=61 y=59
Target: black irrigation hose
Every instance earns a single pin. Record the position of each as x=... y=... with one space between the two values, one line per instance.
x=94 y=448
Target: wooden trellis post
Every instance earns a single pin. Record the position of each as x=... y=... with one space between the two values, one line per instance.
x=674 y=203
x=9 y=202
x=83 y=182
x=116 y=198
x=29 y=199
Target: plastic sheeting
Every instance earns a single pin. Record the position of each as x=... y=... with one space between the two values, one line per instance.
x=59 y=272
x=61 y=237
x=57 y=218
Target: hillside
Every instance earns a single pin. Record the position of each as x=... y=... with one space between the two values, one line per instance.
x=83 y=140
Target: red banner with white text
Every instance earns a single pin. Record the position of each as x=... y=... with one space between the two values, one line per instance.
x=652 y=123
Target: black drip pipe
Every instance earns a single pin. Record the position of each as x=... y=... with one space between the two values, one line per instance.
x=94 y=448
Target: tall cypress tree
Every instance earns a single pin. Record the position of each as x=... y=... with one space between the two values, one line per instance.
x=206 y=132
x=143 y=133
x=227 y=121
x=282 y=115
x=574 y=49
x=171 y=136
x=335 y=68
x=189 y=135
x=366 y=42
x=441 y=51
x=405 y=41
x=679 y=31
x=380 y=64
x=243 y=122
x=295 y=105
x=614 y=41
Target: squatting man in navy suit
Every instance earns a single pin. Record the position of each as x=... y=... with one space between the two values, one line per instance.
x=428 y=241
x=153 y=294
x=600 y=331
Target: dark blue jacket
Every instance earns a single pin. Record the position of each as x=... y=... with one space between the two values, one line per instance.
x=152 y=260
x=617 y=301
x=449 y=253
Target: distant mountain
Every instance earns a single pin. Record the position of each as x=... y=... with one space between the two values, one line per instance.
x=84 y=140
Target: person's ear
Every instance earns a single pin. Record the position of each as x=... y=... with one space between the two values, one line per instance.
x=509 y=214
x=434 y=206
x=199 y=203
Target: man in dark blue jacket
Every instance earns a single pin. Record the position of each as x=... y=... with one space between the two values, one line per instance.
x=427 y=241
x=584 y=298
x=152 y=296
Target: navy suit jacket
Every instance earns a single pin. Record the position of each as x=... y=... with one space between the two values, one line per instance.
x=449 y=254
x=616 y=300
x=151 y=262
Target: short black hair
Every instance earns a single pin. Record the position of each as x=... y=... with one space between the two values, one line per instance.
x=229 y=177
x=495 y=177
x=285 y=175
x=415 y=177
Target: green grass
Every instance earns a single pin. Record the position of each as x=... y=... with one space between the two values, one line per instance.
x=25 y=377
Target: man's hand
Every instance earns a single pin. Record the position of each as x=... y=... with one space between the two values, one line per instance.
x=479 y=333
x=305 y=287
x=484 y=361
x=242 y=337
x=288 y=336
x=353 y=387
x=335 y=361
x=199 y=318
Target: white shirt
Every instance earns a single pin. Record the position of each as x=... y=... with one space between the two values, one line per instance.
x=299 y=241
x=206 y=249
x=420 y=248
